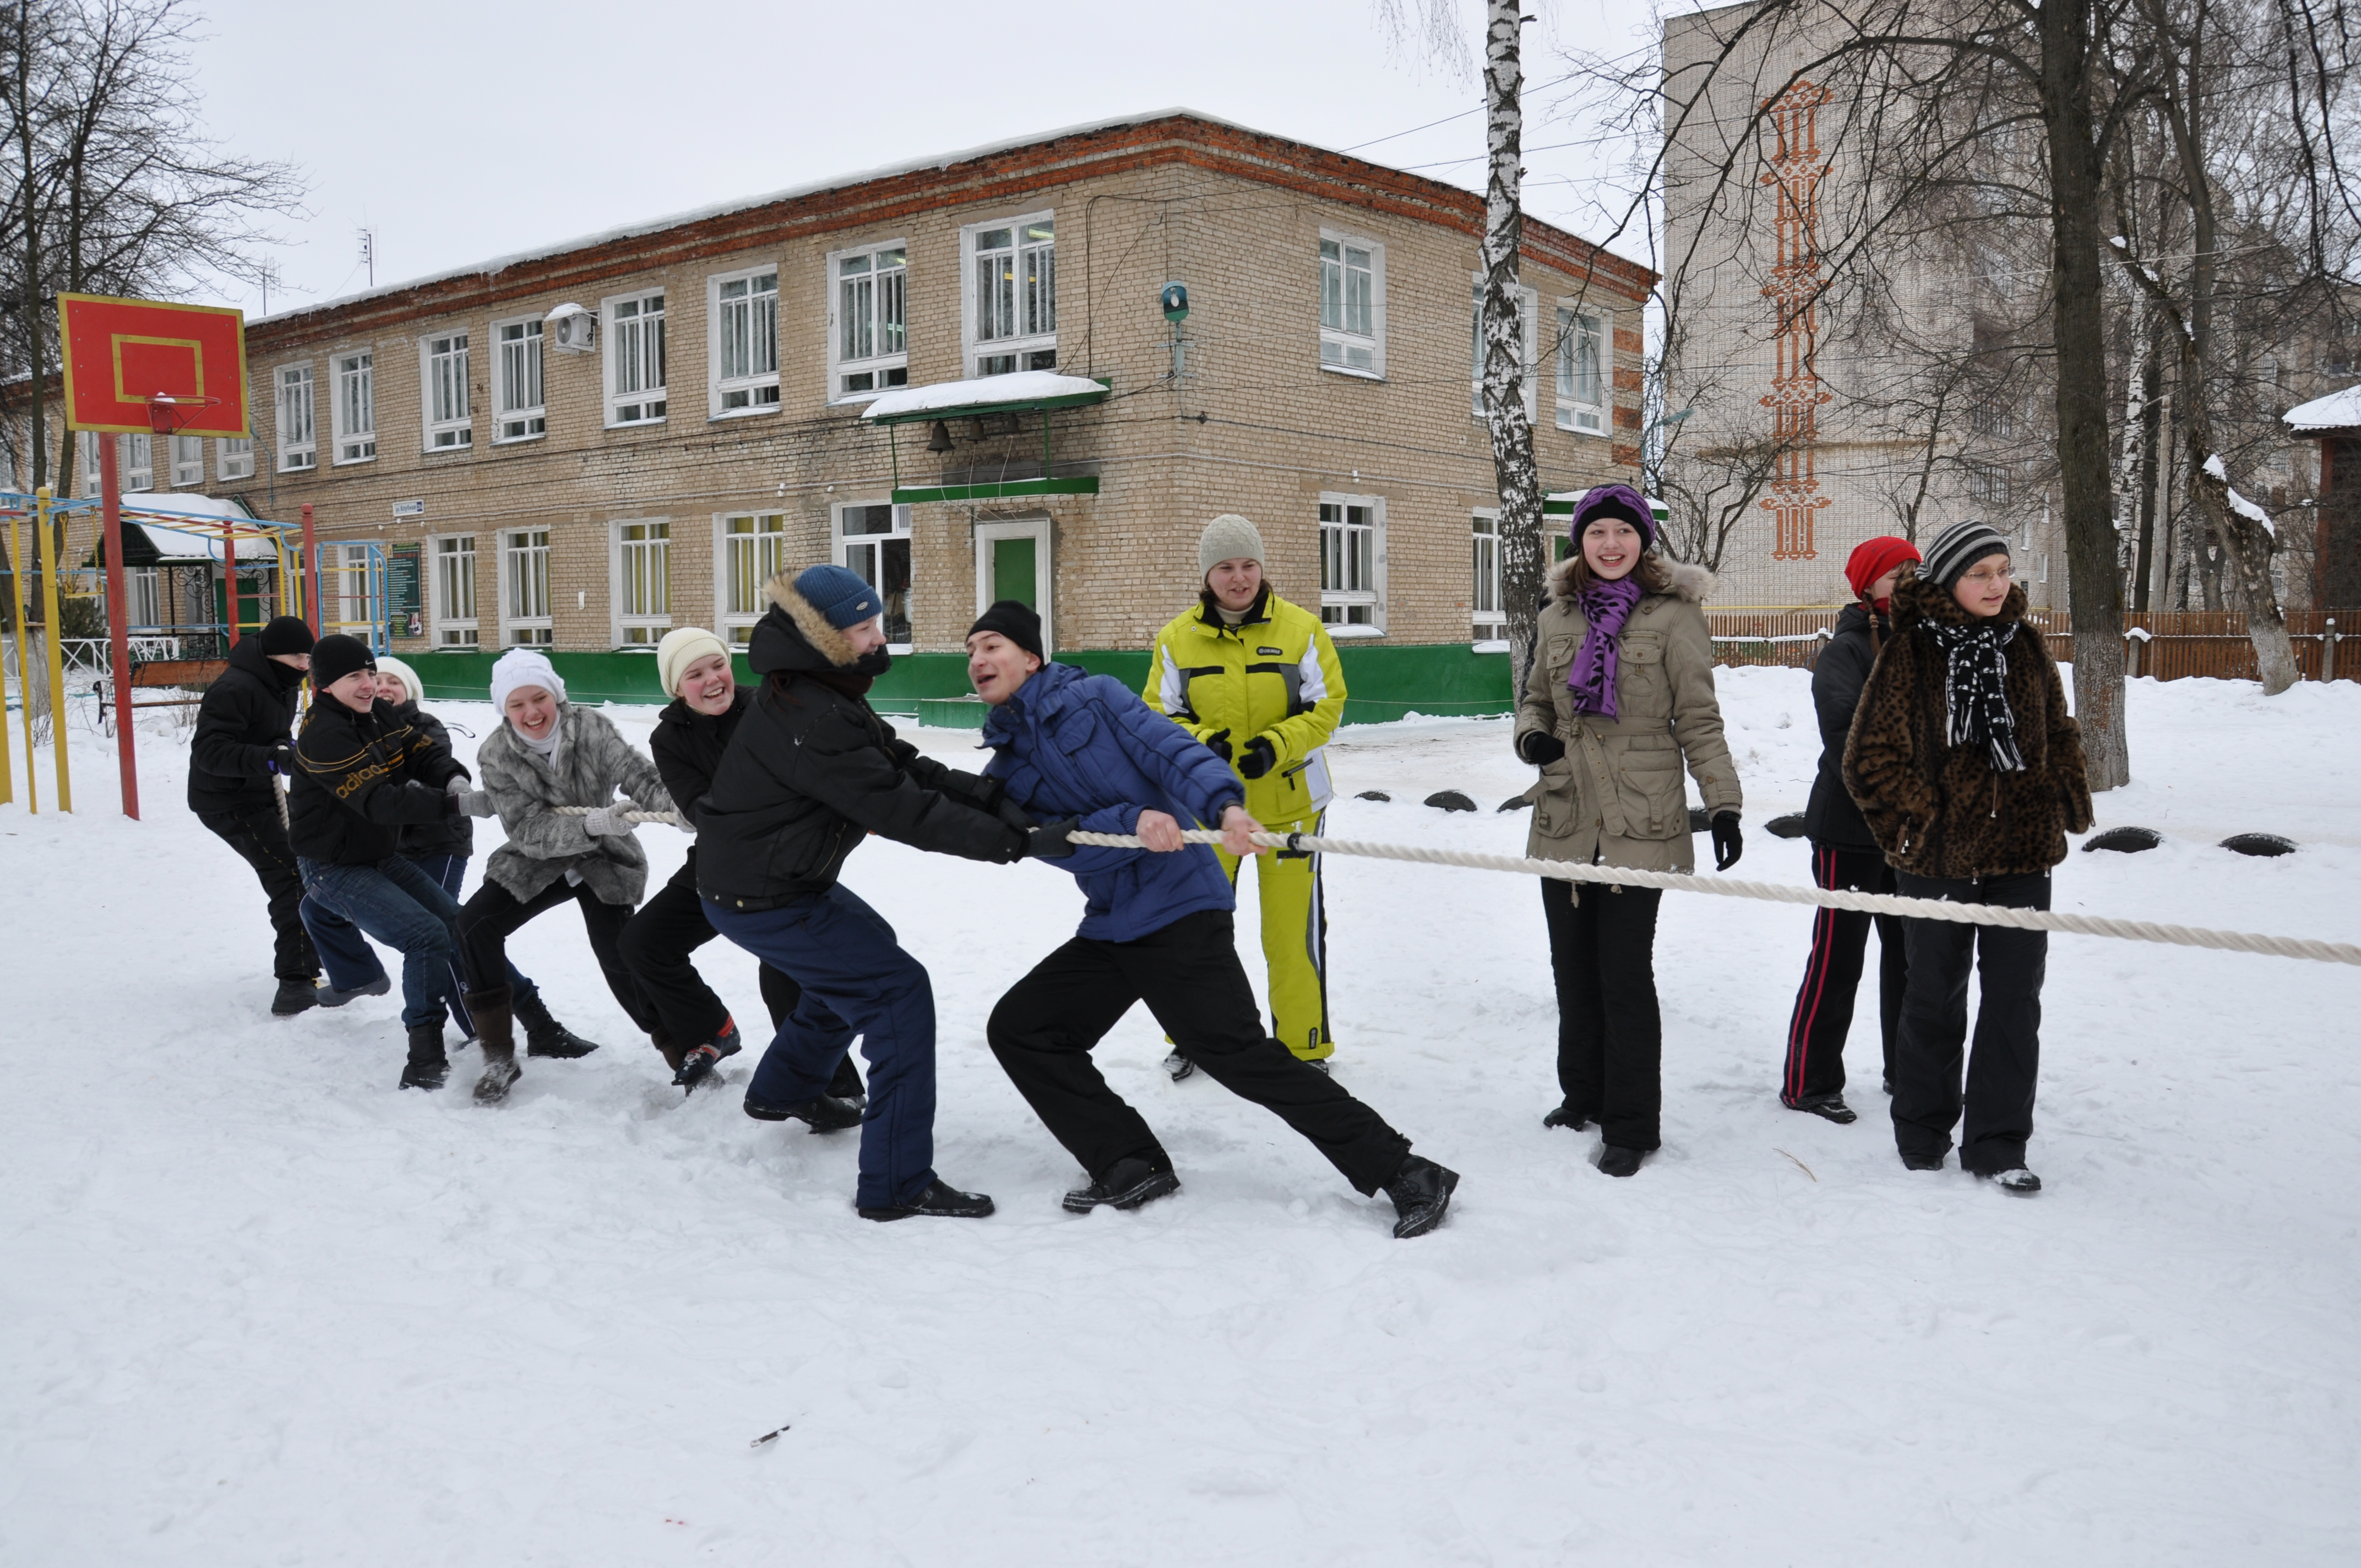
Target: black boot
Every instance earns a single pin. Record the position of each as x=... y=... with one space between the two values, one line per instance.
x=1421 y=1194
x=1831 y=1106
x=1127 y=1183
x=544 y=1035
x=1614 y=1160
x=1565 y=1116
x=294 y=996
x=698 y=1062
x=498 y=1032
x=330 y=997
x=847 y=1085
x=940 y=1200
x=428 y=1068
x=824 y=1112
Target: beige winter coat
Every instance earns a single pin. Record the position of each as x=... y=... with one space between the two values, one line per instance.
x=1616 y=797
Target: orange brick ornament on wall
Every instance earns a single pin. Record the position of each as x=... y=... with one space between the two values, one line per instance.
x=121 y=353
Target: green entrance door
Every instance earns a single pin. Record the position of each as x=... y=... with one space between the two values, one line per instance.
x=1014 y=575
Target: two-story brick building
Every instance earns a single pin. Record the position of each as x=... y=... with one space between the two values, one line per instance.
x=581 y=446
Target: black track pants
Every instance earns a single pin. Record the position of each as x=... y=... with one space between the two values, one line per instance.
x=2006 y=1057
x=488 y=919
x=1823 y=1015
x=261 y=842
x=1190 y=976
x=657 y=944
x=1610 y=1036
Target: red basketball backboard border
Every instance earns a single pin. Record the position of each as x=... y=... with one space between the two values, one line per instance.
x=116 y=347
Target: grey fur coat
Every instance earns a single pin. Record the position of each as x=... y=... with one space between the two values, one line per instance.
x=594 y=761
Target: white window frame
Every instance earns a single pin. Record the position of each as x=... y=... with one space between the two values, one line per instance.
x=1488 y=628
x=1531 y=300
x=353 y=418
x=292 y=392
x=1374 y=595
x=526 y=421
x=511 y=623
x=1574 y=321
x=760 y=388
x=839 y=543
x=637 y=629
x=451 y=629
x=1023 y=346
x=188 y=460
x=136 y=462
x=234 y=457
x=1338 y=340
x=887 y=368
x=92 y=476
x=632 y=407
x=766 y=548
x=454 y=432
x=144 y=599
x=1037 y=530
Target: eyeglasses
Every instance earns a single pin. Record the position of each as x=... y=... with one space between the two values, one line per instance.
x=1996 y=574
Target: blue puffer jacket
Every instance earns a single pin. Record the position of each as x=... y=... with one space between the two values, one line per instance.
x=1073 y=744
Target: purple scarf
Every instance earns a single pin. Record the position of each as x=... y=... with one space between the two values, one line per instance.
x=1592 y=679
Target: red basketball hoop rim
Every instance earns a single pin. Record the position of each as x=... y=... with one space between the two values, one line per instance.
x=167 y=414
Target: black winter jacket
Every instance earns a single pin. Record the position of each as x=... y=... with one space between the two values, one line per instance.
x=360 y=779
x=688 y=746
x=245 y=713
x=1831 y=818
x=451 y=835
x=811 y=770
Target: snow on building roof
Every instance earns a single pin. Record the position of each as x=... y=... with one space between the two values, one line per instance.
x=180 y=532
x=984 y=392
x=2338 y=411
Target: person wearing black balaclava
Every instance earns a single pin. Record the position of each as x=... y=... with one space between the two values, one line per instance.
x=1969 y=770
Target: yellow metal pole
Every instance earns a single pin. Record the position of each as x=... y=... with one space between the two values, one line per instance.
x=24 y=670
x=56 y=640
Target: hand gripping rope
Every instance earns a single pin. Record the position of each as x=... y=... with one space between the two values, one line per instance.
x=1724 y=887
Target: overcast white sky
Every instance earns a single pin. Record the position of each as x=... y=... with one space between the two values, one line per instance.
x=464 y=129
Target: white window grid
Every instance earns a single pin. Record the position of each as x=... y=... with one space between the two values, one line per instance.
x=1487 y=614
x=1351 y=304
x=642 y=577
x=517 y=380
x=1528 y=352
x=91 y=479
x=1353 y=565
x=354 y=405
x=455 y=590
x=1011 y=295
x=635 y=358
x=524 y=588
x=188 y=460
x=137 y=458
x=872 y=539
x=443 y=395
x=745 y=307
x=234 y=457
x=299 y=446
x=868 y=341
x=752 y=549
x=146 y=605
x=1584 y=369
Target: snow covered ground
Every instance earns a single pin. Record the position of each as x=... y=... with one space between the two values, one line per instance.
x=257 y=1306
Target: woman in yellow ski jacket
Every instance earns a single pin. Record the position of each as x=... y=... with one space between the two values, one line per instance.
x=1256 y=679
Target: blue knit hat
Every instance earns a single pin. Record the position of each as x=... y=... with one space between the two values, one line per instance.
x=842 y=597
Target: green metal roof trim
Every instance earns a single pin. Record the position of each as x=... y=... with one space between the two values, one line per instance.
x=917 y=494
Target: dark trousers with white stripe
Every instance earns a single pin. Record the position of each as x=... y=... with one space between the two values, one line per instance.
x=1823 y=1016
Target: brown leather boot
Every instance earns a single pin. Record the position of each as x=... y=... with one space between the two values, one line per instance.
x=496 y=1028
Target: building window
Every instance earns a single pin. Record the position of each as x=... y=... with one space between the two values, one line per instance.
x=1352 y=562
x=524 y=587
x=868 y=345
x=443 y=360
x=642 y=564
x=356 y=407
x=455 y=591
x=188 y=460
x=1582 y=360
x=746 y=342
x=1527 y=356
x=1014 y=306
x=90 y=479
x=1487 y=619
x=1987 y=485
x=753 y=550
x=516 y=374
x=147 y=598
x=298 y=440
x=137 y=456
x=873 y=540
x=1351 y=304
x=635 y=359
x=234 y=457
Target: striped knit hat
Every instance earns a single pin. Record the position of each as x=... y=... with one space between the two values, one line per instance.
x=1959 y=547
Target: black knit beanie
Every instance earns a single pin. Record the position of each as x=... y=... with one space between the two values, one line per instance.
x=287 y=634
x=1015 y=620
x=336 y=656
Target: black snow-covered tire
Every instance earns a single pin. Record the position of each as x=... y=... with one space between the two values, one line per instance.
x=2123 y=841
x=2266 y=844
x=1450 y=800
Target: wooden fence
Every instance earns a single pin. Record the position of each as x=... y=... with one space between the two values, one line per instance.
x=2167 y=645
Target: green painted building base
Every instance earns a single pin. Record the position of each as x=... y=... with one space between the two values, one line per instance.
x=1385 y=682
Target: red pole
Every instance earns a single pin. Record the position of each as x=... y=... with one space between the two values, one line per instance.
x=229 y=579
x=308 y=569
x=118 y=617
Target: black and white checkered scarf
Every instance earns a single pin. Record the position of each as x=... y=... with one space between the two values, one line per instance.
x=1976 y=686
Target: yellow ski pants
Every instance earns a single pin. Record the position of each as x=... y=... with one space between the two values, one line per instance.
x=1294 y=940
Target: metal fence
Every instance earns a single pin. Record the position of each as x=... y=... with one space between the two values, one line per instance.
x=2166 y=645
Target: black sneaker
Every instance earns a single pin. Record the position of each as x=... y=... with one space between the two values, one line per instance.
x=1178 y=1065
x=1421 y=1192
x=294 y=996
x=1127 y=1184
x=1616 y=1160
x=1565 y=1116
x=1922 y=1162
x=2016 y=1179
x=696 y=1063
x=939 y=1200
x=1829 y=1106
x=823 y=1112
x=330 y=997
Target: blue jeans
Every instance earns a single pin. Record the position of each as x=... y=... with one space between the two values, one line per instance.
x=405 y=909
x=449 y=873
x=350 y=962
x=856 y=979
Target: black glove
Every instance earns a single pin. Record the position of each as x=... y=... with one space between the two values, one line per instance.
x=282 y=760
x=1008 y=811
x=1727 y=842
x=1541 y=748
x=1259 y=757
x=1048 y=842
x=1218 y=742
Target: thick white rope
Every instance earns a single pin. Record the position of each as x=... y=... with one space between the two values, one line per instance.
x=1725 y=887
